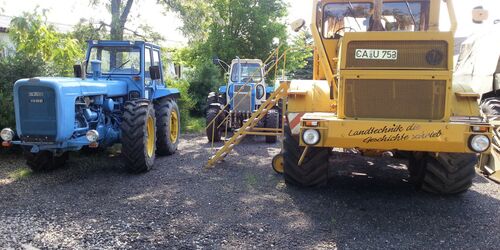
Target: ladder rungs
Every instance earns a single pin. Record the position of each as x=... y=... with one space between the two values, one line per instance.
x=249 y=126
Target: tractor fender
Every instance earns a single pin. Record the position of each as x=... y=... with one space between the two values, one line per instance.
x=167 y=92
x=464 y=101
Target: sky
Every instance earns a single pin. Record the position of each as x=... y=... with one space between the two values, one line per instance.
x=66 y=13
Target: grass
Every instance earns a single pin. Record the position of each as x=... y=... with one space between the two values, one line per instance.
x=20 y=173
x=194 y=125
x=251 y=180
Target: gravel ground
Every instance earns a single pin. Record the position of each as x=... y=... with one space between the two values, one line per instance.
x=241 y=203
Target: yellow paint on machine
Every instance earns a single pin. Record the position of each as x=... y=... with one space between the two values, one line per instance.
x=397 y=135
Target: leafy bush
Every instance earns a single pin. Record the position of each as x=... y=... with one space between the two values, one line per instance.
x=12 y=69
x=203 y=80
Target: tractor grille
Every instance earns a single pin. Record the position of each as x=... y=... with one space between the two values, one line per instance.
x=411 y=55
x=37 y=113
x=243 y=100
x=395 y=99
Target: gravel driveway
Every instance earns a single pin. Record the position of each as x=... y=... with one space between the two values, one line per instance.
x=241 y=203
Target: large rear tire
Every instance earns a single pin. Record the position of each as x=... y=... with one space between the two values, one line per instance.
x=138 y=136
x=44 y=161
x=443 y=173
x=167 y=126
x=213 y=132
x=272 y=121
x=314 y=169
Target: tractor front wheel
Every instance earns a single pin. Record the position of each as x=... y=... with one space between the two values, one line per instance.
x=138 y=129
x=213 y=121
x=167 y=126
x=272 y=121
x=313 y=172
x=45 y=160
x=443 y=173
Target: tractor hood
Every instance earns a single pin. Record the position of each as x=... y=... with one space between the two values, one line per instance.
x=45 y=107
x=79 y=87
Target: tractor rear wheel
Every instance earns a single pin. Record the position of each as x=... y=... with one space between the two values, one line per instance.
x=272 y=121
x=45 y=160
x=443 y=173
x=167 y=126
x=213 y=132
x=138 y=129
x=314 y=169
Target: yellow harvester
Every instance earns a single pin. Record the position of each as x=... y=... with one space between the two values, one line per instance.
x=383 y=82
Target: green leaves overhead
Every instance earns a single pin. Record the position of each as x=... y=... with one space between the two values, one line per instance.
x=35 y=38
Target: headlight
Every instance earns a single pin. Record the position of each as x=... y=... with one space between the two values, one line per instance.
x=7 y=134
x=479 y=143
x=311 y=137
x=92 y=135
x=261 y=91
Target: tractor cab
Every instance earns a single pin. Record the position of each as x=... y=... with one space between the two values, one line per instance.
x=137 y=63
x=246 y=87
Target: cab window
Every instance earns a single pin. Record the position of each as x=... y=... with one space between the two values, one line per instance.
x=147 y=62
x=339 y=18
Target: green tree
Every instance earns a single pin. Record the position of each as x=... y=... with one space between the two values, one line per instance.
x=300 y=56
x=119 y=10
x=14 y=68
x=35 y=38
x=86 y=30
x=225 y=29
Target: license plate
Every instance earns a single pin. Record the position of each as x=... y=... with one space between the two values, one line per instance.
x=376 y=54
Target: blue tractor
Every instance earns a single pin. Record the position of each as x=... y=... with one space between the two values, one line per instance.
x=117 y=96
x=235 y=102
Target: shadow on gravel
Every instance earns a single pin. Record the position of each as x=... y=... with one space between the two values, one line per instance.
x=241 y=203
x=370 y=204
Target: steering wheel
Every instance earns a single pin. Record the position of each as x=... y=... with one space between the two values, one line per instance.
x=247 y=80
x=336 y=35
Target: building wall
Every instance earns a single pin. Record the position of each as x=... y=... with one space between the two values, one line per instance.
x=6 y=45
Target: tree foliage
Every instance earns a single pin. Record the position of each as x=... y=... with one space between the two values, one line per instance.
x=35 y=38
x=226 y=29
x=119 y=10
x=14 y=68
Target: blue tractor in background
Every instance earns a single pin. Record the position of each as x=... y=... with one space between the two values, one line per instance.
x=117 y=96
x=235 y=102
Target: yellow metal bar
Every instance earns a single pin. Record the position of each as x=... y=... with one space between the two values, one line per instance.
x=263 y=133
x=453 y=17
x=303 y=156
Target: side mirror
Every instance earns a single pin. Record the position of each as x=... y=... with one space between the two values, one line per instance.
x=78 y=70
x=298 y=24
x=154 y=72
x=479 y=14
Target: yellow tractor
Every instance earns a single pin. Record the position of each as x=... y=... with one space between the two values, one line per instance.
x=383 y=82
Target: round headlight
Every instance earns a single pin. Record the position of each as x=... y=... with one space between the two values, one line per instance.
x=7 y=134
x=310 y=137
x=92 y=135
x=479 y=143
x=261 y=91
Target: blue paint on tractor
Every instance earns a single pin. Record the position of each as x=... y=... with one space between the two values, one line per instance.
x=55 y=113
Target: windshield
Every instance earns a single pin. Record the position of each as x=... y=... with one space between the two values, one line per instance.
x=339 y=18
x=250 y=72
x=117 y=60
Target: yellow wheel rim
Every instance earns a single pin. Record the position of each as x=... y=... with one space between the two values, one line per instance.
x=150 y=140
x=278 y=163
x=174 y=126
